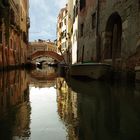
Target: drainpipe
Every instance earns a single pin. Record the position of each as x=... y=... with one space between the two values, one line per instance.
x=97 y=32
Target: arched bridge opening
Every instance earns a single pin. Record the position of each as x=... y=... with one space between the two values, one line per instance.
x=51 y=54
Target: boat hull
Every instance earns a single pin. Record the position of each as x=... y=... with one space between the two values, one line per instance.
x=92 y=70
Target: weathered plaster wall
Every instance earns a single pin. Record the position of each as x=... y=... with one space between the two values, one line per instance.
x=87 y=42
x=129 y=12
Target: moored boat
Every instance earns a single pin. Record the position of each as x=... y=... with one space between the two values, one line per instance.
x=91 y=70
x=137 y=72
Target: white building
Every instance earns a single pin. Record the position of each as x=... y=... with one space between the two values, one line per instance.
x=74 y=38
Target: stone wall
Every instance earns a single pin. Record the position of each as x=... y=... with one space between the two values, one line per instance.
x=87 y=41
x=129 y=12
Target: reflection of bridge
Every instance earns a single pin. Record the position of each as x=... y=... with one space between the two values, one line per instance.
x=51 y=54
x=42 y=83
x=43 y=78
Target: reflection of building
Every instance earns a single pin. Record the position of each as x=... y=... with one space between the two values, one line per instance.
x=43 y=78
x=14 y=104
x=67 y=108
x=104 y=110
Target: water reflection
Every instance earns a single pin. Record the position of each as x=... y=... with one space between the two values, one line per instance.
x=43 y=77
x=101 y=110
x=45 y=119
x=67 y=108
x=14 y=105
x=41 y=105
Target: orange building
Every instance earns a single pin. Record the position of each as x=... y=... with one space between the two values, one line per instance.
x=41 y=45
x=62 y=30
x=14 y=25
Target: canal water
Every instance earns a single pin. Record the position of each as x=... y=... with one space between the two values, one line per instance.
x=40 y=105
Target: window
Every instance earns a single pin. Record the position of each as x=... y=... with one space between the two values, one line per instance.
x=82 y=4
x=60 y=25
x=65 y=21
x=66 y=11
x=74 y=14
x=82 y=29
x=60 y=39
x=93 y=20
x=12 y=17
x=0 y=36
x=76 y=7
x=64 y=45
x=75 y=10
x=24 y=37
x=11 y=44
x=14 y=45
x=65 y=33
x=62 y=35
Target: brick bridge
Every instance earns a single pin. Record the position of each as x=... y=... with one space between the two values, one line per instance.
x=51 y=54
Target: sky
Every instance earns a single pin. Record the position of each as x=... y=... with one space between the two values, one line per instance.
x=43 y=17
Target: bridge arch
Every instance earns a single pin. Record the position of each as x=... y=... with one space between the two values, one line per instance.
x=51 y=54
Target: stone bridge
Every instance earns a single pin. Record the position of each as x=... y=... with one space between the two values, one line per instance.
x=51 y=54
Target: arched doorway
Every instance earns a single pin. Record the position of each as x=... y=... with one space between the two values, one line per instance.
x=112 y=48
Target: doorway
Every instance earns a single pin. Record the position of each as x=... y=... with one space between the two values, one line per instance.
x=112 y=48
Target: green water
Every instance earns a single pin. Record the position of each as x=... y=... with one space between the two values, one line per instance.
x=41 y=106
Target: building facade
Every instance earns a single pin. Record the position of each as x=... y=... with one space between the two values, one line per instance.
x=70 y=29
x=119 y=29
x=41 y=45
x=14 y=27
x=74 y=37
x=62 y=33
x=87 y=31
x=24 y=26
x=106 y=31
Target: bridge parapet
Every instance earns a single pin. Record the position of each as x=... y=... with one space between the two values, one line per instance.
x=51 y=54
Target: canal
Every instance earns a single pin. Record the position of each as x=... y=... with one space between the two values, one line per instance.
x=40 y=105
